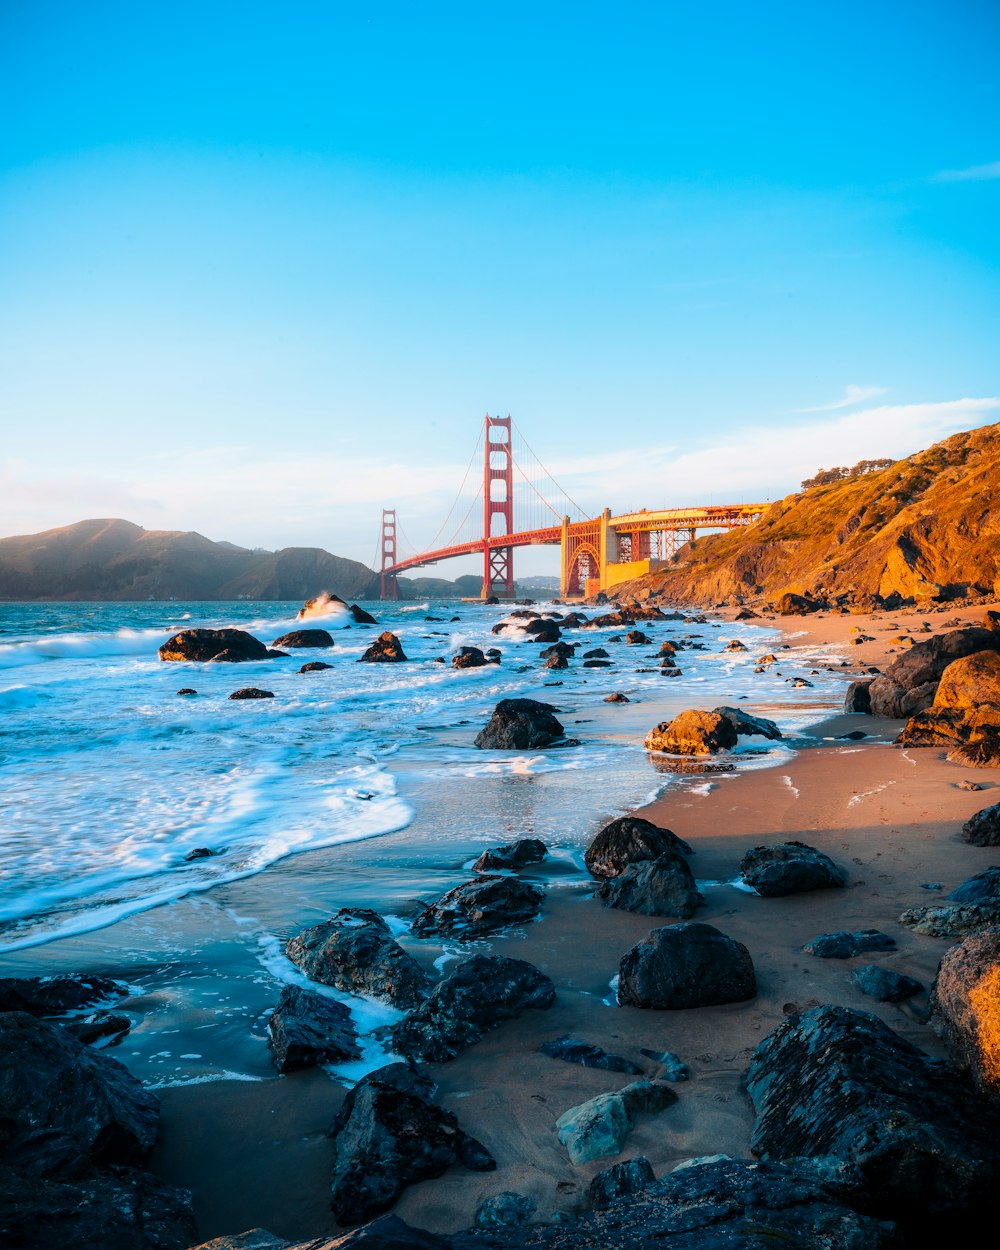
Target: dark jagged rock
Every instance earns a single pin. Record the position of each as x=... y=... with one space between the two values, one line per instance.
x=983 y=829
x=51 y=996
x=626 y=841
x=636 y=638
x=261 y=1239
x=251 y=692
x=272 y=654
x=355 y=951
x=664 y=886
x=950 y=920
x=305 y=638
x=476 y=997
x=595 y=653
x=505 y=1211
x=599 y=1126
x=673 y=1067
x=686 y=965
x=51 y=1081
x=315 y=666
x=387 y=1135
x=556 y=662
x=747 y=725
x=386 y=649
x=984 y=887
x=832 y=1081
x=617 y=697
x=564 y=650
x=98 y=1026
x=517 y=854
x=520 y=725
x=842 y=945
x=542 y=630
x=469 y=657
x=692 y=733
x=910 y=682
x=597 y=664
x=186 y=690
x=361 y=617
x=858 y=697
x=885 y=984
x=590 y=1056
x=205 y=644
x=480 y=906
x=199 y=852
x=964 y=1007
x=790 y=868
x=620 y=1181
x=306 y=1029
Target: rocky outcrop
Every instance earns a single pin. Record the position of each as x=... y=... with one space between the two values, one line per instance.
x=599 y=1126
x=686 y=965
x=983 y=829
x=950 y=920
x=52 y=996
x=483 y=905
x=306 y=1029
x=628 y=840
x=965 y=1007
x=968 y=682
x=789 y=868
x=747 y=725
x=356 y=952
x=858 y=697
x=520 y=725
x=201 y=645
x=664 y=886
x=692 y=733
x=620 y=1181
x=477 y=996
x=512 y=855
x=505 y=1211
x=910 y=682
x=389 y=1134
x=304 y=638
x=386 y=649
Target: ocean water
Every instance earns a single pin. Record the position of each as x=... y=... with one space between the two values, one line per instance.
x=359 y=784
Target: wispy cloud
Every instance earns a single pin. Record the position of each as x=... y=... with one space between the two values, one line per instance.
x=852 y=395
x=975 y=173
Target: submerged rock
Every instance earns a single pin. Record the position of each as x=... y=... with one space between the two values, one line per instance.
x=628 y=840
x=251 y=692
x=480 y=906
x=520 y=725
x=790 y=868
x=315 y=666
x=517 y=854
x=205 y=644
x=306 y=1029
x=305 y=638
x=686 y=965
x=386 y=649
x=51 y=996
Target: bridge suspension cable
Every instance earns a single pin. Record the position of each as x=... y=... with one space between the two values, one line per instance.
x=521 y=445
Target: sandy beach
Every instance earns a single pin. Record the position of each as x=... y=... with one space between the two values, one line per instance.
x=255 y=1153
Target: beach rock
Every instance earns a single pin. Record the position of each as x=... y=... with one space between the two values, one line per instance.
x=320 y=605
x=186 y=690
x=747 y=725
x=482 y=905
x=636 y=638
x=599 y=1126
x=306 y=1029
x=315 y=666
x=984 y=887
x=858 y=697
x=910 y=682
x=506 y=1210
x=251 y=692
x=205 y=644
x=789 y=868
x=468 y=657
x=556 y=662
x=982 y=750
x=476 y=997
x=361 y=617
x=542 y=630
x=305 y=638
x=51 y=1081
x=841 y=945
x=734 y=644
x=970 y=681
x=965 y=1007
x=512 y=855
x=386 y=649
x=686 y=965
x=790 y=604
x=562 y=650
x=627 y=840
x=520 y=725
x=389 y=1134
x=934 y=726
x=664 y=886
x=692 y=733
x=52 y=996
x=620 y=1181
x=950 y=920
x=596 y=653
x=672 y=1067
x=833 y=1081
x=617 y=697
x=97 y=1027
x=356 y=952
x=885 y=984
x=586 y=1053
x=599 y=664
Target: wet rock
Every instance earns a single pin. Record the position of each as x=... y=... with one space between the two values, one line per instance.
x=480 y=994
x=512 y=855
x=505 y=1211
x=734 y=644
x=186 y=690
x=617 y=697
x=51 y=996
x=306 y=1029
x=386 y=649
x=858 y=697
x=842 y=945
x=910 y=682
x=855 y=735
x=747 y=725
x=361 y=617
x=789 y=868
x=586 y=1053
x=628 y=840
x=251 y=692
x=984 y=887
x=800 y=683
x=542 y=630
x=562 y=650
x=252 y=1239
x=596 y=664
x=480 y=906
x=885 y=984
x=673 y=1068
x=692 y=733
x=965 y=1007
x=599 y=1126
x=832 y=1081
x=99 y=1026
x=620 y=1181
x=595 y=653
x=949 y=920
x=305 y=638
x=664 y=886
x=389 y=1134
x=199 y=852
x=556 y=662
x=636 y=638
x=205 y=644
x=520 y=725
x=686 y=965
x=315 y=666
x=356 y=952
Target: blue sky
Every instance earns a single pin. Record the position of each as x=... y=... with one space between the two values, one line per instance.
x=263 y=268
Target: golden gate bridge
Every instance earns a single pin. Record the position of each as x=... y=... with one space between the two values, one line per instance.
x=508 y=509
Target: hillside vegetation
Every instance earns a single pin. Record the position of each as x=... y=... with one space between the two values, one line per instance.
x=927 y=527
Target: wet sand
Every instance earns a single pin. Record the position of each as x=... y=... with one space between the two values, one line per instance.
x=255 y=1153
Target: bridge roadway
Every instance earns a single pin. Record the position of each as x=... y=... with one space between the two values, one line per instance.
x=598 y=553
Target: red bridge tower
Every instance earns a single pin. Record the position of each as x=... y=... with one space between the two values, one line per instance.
x=498 y=503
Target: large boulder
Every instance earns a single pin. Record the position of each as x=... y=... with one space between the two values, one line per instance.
x=791 y=604
x=970 y=681
x=965 y=1006
x=747 y=725
x=789 y=868
x=520 y=725
x=53 y=996
x=621 y=1180
x=306 y=1029
x=984 y=887
x=386 y=649
x=476 y=997
x=512 y=855
x=686 y=965
x=205 y=644
x=664 y=886
x=983 y=829
x=832 y=1081
x=628 y=840
x=305 y=638
x=598 y=1127
x=389 y=1134
x=910 y=683
x=469 y=657
x=692 y=733
x=480 y=906
x=356 y=952
x=858 y=697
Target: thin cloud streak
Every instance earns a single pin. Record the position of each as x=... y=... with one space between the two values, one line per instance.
x=975 y=173
x=852 y=395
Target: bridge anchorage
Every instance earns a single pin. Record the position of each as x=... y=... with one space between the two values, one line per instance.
x=597 y=553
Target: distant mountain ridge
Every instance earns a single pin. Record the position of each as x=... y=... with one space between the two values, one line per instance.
x=112 y=559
